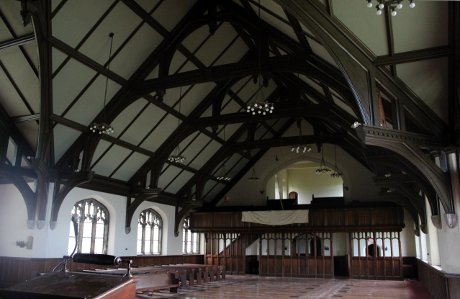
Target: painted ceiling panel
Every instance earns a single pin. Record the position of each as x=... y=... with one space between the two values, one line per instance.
x=196 y=39
x=216 y=44
x=234 y=53
x=148 y=5
x=22 y=75
x=178 y=182
x=63 y=136
x=177 y=63
x=65 y=90
x=147 y=119
x=30 y=131
x=407 y=25
x=428 y=79
x=230 y=106
x=278 y=20
x=194 y=96
x=206 y=154
x=11 y=100
x=74 y=20
x=211 y=189
x=101 y=148
x=91 y=102
x=78 y=91
x=170 y=12
x=161 y=133
x=313 y=84
x=10 y=10
x=131 y=57
x=230 y=129
x=98 y=44
x=58 y=59
x=110 y=160
x=321 y=51
x=130 y=166
x=343 y=106
x=354 y=14
x=167 y=175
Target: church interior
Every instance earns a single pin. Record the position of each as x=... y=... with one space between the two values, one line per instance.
x=192 y=142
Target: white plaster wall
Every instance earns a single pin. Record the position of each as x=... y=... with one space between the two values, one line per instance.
x=307 y=183
x=357 y=180
x=52 y=243
x=407 y=236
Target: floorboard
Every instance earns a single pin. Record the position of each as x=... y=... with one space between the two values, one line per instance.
x=251 y=286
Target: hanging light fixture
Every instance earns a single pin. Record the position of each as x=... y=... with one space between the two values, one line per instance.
x=300 y=149
x=322 y=166
x=103 y=127
x=261 y=106
x=394 y=5
x=336 y=173
x=176 y=157
x=223 y=170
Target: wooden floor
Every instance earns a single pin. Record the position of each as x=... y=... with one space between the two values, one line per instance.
x=275 y=287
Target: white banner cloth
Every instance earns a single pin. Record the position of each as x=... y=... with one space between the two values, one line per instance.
x=276 y=217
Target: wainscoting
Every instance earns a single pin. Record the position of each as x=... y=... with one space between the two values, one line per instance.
x=14 y=270
x=441 y=285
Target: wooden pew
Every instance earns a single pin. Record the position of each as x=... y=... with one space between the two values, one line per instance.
x=147 y=279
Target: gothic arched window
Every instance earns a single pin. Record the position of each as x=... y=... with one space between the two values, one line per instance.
x=149 y=232
x=191 y=241
x=90 y=219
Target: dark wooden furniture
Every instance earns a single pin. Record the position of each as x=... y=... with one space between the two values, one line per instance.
x=72 y=285
x=147 y=279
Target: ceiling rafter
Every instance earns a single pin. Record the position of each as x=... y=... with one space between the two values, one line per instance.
x=248 y=166
x=412 y=56
x=17 y=41
x=21 y=46
x=124 y=97
x=180 y=133
x=86 y=36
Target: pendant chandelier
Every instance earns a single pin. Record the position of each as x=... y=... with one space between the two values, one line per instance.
x=323 y=169
x=103 y=127
x=394 y=5
x=177 y=157
x=261 y=106
x=336 y=173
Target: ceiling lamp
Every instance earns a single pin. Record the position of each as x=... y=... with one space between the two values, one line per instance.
x=336 y=173
x=176 y=157
x=394 y=5
x=261 y=106
x=300 y=149
x=103 y=127
x=322 y=166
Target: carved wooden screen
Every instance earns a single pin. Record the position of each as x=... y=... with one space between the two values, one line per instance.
x=375 y=255
x=296 y=254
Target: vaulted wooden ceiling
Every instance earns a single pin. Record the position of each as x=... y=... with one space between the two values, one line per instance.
x=181 y=74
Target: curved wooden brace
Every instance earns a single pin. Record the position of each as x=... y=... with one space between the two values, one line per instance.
x=181 y=213
x=402 y=145
x=415 y=200
x=30 y=198
x=130 y=209
x=62 y=189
